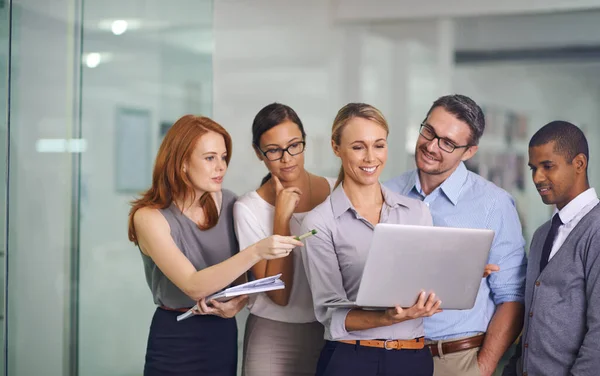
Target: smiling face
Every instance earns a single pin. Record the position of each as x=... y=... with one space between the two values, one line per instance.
x=429 y=158
x=207 y=164
x=273 y=141
x=557 y=180
x=363 y=150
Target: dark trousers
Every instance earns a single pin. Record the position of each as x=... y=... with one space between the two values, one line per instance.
x=200 y=345
x=343 y=359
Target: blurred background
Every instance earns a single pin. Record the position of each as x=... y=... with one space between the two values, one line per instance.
x=88 y=88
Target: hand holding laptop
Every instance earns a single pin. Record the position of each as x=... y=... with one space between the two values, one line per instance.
x=489 y=269
x=425 y=306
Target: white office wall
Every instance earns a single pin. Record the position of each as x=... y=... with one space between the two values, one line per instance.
x=542 y=92
x=386 y=10
x=528 y=31
x=295 y=52
x=267 y=51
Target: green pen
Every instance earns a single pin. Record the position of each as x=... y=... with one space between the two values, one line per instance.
x=304 y=236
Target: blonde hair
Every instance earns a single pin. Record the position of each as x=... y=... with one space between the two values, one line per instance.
x=347 y=113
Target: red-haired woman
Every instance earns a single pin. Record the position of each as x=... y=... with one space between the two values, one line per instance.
x=183 y=226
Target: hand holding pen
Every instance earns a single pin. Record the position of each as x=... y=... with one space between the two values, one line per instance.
x=304 y=236
x=275 y=246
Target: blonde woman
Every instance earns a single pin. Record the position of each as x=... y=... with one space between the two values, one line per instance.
x=360 y=342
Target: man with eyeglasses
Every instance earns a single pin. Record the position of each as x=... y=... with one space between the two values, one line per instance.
x=468 y=342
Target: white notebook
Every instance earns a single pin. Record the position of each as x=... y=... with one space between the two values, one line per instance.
x=252 y=287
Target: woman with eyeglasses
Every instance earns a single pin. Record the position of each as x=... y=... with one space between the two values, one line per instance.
x=282 y=334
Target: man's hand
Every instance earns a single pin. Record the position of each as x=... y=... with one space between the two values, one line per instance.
x=225 y=310
x=485 y=368
x=503 y=330
x=489 y=269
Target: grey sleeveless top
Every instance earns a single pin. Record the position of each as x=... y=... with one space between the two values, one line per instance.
x=202 y=248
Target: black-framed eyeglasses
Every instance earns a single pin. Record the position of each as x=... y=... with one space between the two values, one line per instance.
x=275 y=154
x=444 y=144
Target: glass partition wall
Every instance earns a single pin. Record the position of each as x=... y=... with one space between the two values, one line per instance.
x=143 y=67
x=94 y=85
x=4 y=114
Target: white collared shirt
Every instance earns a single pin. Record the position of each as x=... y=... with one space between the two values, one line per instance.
x=571 y=214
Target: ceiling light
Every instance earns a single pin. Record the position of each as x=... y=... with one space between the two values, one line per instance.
x=118 y=27
x=92 y=60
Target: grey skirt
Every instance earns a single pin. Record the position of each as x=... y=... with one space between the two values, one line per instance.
x=274 y=348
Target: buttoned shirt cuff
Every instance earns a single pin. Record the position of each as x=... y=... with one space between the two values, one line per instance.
x=337 y=326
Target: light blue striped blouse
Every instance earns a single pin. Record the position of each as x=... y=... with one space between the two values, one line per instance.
x=467 y=200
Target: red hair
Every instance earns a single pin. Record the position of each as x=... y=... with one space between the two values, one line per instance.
x=169 y=182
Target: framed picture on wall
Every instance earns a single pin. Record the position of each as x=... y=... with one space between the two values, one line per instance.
x=133 y=150
x=163 y=129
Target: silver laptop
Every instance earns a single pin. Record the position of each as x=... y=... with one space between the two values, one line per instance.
x=404 y=259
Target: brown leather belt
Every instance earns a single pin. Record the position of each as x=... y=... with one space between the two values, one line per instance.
x=390 y=344
x=458 y=345
x=175 y=309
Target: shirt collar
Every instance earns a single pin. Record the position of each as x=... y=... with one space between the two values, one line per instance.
x=577 y=204
x=451 y=187
x=417 y=186
x=340 y=203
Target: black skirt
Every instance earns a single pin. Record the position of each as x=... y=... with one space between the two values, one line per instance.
x=200 y=345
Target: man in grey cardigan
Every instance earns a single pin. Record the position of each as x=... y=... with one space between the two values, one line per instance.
x=561 y=335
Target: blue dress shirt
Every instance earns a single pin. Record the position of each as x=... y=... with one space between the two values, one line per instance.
x=467 y=200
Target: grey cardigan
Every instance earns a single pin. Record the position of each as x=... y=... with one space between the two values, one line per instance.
x=561 y=335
